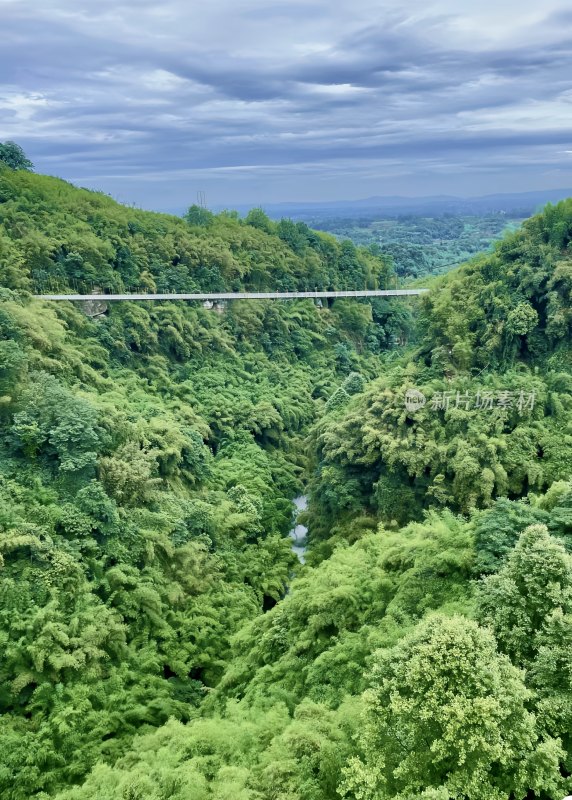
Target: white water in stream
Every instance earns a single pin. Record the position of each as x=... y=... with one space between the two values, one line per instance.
x=298 y=532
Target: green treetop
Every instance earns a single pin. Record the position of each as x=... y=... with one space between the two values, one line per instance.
x=13 y=155
x=446 y=717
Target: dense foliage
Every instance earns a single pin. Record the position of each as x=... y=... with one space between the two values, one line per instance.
x=494 y=363
x=55 y=236
x=149 y=455
x=421 y=246
x=158 y=639
x=12 y=155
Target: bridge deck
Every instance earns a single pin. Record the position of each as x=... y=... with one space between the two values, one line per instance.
x=213 y=296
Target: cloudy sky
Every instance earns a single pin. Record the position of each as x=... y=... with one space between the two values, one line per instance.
x=259 y=101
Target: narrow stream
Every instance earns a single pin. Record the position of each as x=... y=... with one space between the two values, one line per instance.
x=299 y=532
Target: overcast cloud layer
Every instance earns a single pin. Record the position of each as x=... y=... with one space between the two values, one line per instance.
x=255 y=102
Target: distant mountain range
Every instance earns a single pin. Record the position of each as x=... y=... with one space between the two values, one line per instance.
x=516 y=203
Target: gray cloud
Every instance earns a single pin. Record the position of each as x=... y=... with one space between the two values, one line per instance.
x=267 y=101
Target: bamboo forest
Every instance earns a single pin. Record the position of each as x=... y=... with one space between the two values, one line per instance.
x=160 y=636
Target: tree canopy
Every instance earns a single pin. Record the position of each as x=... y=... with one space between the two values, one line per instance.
x=13 y=155
x=446 y=716
x=158 y=637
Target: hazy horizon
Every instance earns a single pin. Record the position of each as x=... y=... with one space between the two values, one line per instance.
x=344 y=203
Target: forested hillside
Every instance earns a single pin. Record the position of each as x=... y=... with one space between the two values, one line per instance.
x=56 y=236
x=158 y=638
x=494 y=362
x=421 y=246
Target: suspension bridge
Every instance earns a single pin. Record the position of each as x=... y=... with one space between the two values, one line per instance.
x=214 y=297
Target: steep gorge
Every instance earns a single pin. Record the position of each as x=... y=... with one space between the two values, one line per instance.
x=149 y=460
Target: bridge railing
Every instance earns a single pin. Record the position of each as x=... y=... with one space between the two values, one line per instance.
x=217 y=296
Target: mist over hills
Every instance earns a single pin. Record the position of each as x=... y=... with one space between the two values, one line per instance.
x=522 y=203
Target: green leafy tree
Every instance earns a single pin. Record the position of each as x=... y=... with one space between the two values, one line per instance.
x=446 y=717
x=13 y=155
x=257 y=218
x=57 y=426
x=528 y=605
x=197 y=215
x=517 y=601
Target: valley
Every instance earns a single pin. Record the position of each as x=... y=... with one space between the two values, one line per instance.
x=169 y=629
